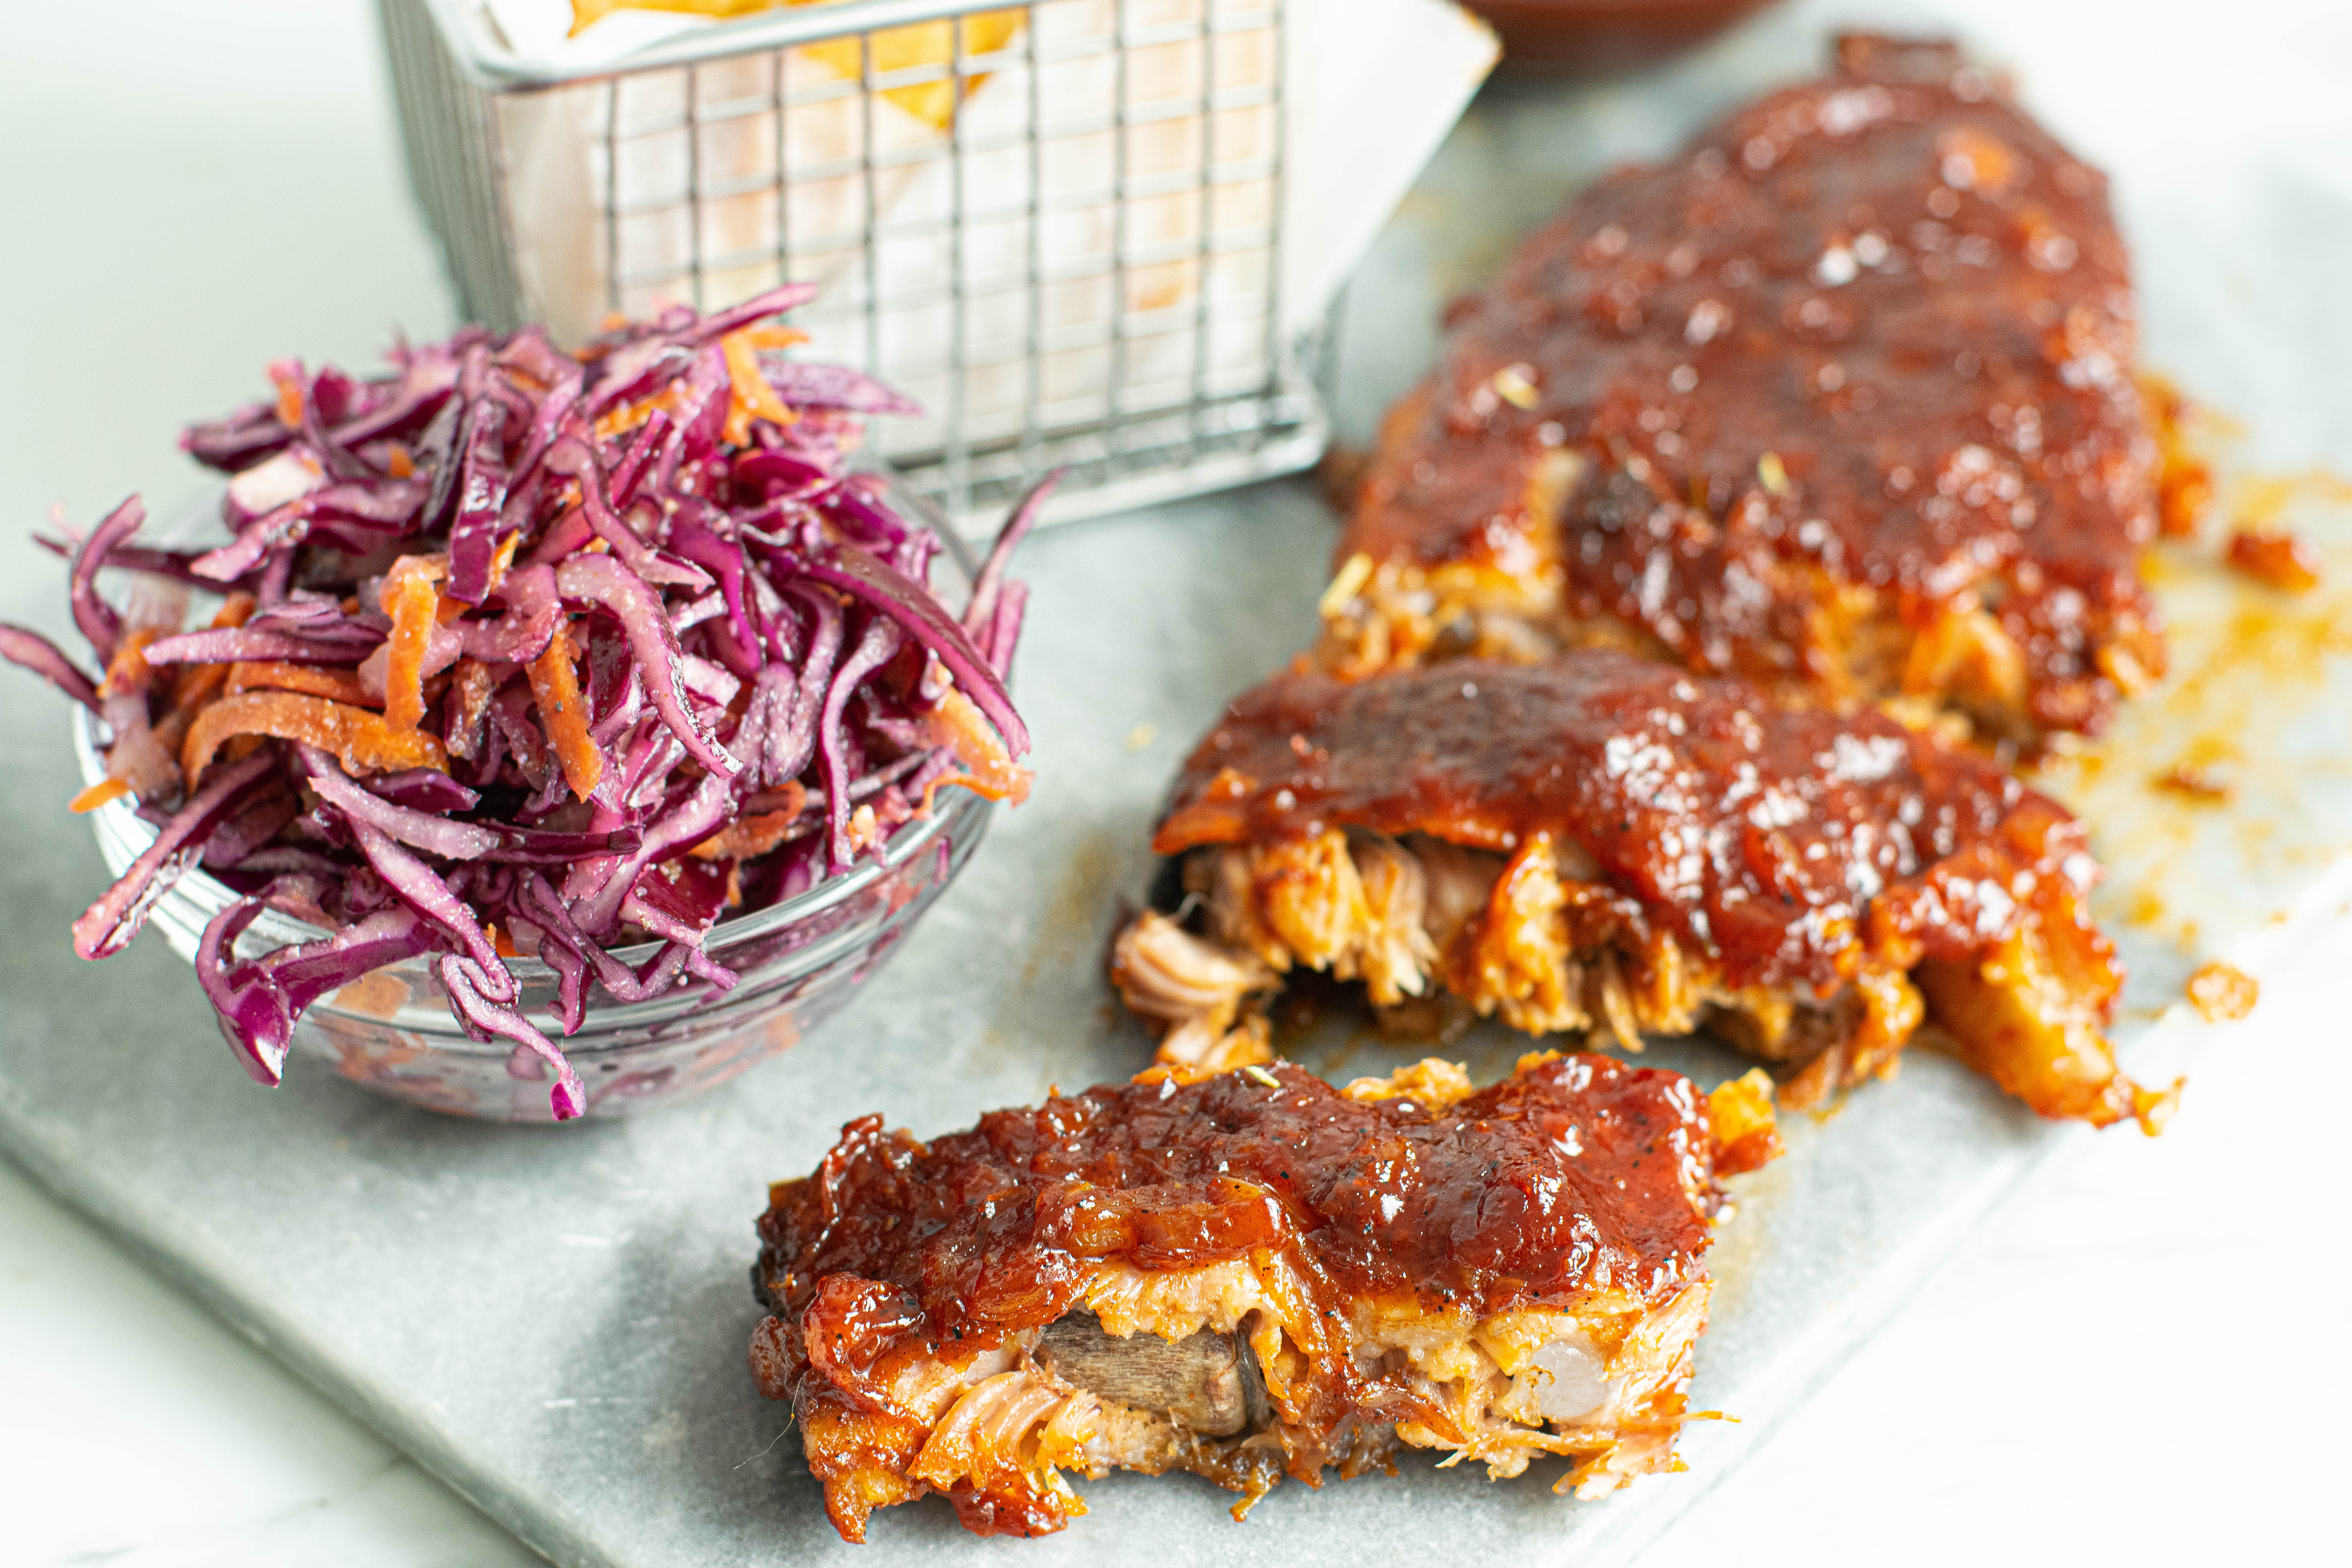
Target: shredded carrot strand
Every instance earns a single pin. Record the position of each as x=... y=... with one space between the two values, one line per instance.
x=128 y=671
x=289 y=402
x=398 y=463
x=317 y=680
x=864 y=830
x=989 y=769
x=415 y=606
x=629 y=415
x=754 y=398
x=773 y=337
x=362 y=740
x=753 y=835
x=97 y=795
x=555 y=688
x=500 y=562
x=196 y=683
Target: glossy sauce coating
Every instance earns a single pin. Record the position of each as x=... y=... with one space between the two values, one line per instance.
x=1873 y=330
x=1764 y=836
x=1577 y=1172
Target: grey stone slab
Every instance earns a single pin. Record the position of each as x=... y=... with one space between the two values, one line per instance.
x=553 y=1320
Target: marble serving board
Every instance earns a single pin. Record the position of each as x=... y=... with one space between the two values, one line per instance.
x=554 y=1319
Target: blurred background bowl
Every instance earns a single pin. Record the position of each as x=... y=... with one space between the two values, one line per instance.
x=1593 y=37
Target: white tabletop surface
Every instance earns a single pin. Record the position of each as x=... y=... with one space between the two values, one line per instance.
x=2143 y=1360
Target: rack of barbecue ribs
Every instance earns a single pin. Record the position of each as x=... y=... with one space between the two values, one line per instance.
x=1249 y=1275
x=1839 y=399
x=1604 y=845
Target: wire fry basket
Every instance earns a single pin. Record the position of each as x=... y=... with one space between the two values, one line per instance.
x=1057 y=225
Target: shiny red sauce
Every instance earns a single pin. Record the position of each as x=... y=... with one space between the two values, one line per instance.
x=1875 y=329
x=1770 y=840
x=1570 y=1174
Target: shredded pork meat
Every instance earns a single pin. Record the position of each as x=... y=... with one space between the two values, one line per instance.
x=1247 y=1276
x=1602 y=848
x=1502 y=937
x=1534 y=939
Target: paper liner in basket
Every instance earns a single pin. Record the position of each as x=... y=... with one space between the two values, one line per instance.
x=1369 y=88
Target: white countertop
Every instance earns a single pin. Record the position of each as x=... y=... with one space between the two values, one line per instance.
x=2136 y=1361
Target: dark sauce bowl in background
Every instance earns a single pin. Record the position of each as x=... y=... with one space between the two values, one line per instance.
x=1592 y=37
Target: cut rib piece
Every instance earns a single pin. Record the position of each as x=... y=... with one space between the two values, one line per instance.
x=1839 y=400
x=1247 y=1275
x=1603 y=845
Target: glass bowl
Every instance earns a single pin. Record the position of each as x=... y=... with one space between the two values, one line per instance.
x=799 y=961
x=392 y=1031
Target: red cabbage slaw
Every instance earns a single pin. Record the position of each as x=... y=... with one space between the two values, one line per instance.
x=530 y=653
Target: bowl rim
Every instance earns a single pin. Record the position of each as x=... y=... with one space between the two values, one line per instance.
x=958 y=807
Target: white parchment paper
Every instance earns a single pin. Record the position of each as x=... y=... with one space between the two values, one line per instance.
x=1369 y=88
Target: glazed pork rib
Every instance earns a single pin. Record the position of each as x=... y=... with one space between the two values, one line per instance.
x=1838 y=400
x=1245 y=1276
x=1604 y=845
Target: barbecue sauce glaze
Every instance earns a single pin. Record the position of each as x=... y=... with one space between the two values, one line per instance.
x=1781 y=843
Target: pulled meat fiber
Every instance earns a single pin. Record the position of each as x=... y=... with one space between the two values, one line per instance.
x=1839 y=399
x=1603 y=846
x=1247 y=1276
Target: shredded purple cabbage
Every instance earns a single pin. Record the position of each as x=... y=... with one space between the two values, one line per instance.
x=755 y=694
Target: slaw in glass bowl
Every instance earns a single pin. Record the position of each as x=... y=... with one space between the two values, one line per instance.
x=391 y=1030
x=525 y=667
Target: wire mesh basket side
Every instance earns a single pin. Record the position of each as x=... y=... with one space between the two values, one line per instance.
x=453 y=162
x=1054 y=224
